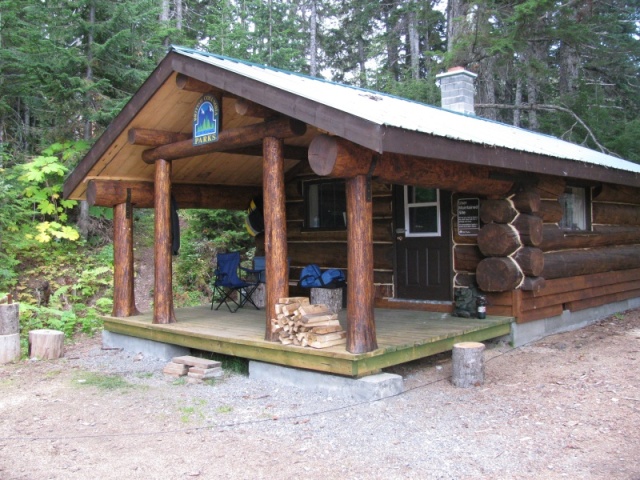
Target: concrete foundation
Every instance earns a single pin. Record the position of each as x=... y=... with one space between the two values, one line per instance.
x=149 y=348
x=524 y=333
x=372 y=387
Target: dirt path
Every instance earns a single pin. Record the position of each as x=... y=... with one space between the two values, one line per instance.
x=565 y=407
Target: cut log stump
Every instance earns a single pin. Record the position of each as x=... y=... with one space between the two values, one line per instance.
x=9 y=319
x=468 y=364
x=9 y=348
x=46 y=344
x=331 y=297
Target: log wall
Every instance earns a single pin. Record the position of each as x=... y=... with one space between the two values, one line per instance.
x=328 y=248
x=581 y=269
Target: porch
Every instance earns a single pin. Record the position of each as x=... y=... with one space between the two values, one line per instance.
x=402 y=336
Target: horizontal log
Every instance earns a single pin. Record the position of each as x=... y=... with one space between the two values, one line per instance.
x=338 y=158
x=538 y=314
x=333 y=254
x=108 y=193
x=549 y=187
x=543 y=301
x=249 y=109
x=617 y=194
x=228 y=139
x=498 y=240
x=498 y=211
x=530 y=260
x=533 y=284
x=615 y=214
x=155 y=138
x=530 y=229
x=602 y=300
x=550 y=211
x=382 y=232
x=583 y=282
x=190 y=84
x=466 y=258
x=554 y=238
x=526 y=202
x=570 y=263
x=465 y=280
x=392 y=303
x=498 y=274
x=382 y=208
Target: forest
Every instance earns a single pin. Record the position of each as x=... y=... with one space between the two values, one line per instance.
x=567 y=68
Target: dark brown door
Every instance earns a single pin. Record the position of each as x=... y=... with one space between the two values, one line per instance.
x=423 y=243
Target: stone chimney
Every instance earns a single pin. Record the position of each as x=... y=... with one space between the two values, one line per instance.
x=456 y=86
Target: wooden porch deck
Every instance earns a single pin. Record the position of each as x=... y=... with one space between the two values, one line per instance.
x=402 y=335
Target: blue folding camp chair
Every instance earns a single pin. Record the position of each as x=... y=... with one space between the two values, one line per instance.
x=227 y=282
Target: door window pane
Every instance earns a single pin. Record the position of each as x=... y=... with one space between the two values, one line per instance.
x=422 y=211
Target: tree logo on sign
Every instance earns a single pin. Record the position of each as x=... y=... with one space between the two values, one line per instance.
x=206 y=120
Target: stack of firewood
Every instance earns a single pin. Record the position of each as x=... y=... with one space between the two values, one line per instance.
x=302 y=324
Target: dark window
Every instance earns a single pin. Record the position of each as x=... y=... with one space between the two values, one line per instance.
x=576 y=207
x=325 y=205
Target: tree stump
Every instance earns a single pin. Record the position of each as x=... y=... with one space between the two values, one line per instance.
x=9 y=348
x=9 y=319
x=259 y=295
x=468 y=364
x=46 y=344
x=331 y=297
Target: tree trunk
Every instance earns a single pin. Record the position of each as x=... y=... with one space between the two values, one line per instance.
x=313 y=35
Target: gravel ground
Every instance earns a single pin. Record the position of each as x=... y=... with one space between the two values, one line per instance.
x=565 y=407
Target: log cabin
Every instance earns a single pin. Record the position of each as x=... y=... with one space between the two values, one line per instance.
x=414 y=202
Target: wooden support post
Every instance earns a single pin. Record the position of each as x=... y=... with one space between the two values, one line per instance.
x=275 y=230
x=163 y=285
x=468 y=364
x=361 y=327
x=124 y=303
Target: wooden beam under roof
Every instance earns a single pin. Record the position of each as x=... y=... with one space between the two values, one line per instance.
x=228 y=140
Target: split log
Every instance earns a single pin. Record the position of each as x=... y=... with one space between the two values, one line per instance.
x=533 y=284
x=228 y=139
x=530 y=229
x=550 y=211
x=108 y=193
x=466 y=258
x=571 y=263
x=530 y=260
x=9 y=318
x=617 y=194
x=9 y=348
x=498 y=211
x=498 y=274
x=338 y=158
x=615 y=214
x=498 y=240
x=526 y=202
x=46 y=344
x=468 y=364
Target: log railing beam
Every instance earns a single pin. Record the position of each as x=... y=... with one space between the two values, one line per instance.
x=228 y=139
x=163 y=285
x=275 y=230
x=250 y=109
x=190 y=84
x=361 y=328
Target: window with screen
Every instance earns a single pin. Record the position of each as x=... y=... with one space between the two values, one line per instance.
x=325 y=205
x=575 y=202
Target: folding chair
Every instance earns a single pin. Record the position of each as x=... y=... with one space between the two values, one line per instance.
x=227 y=282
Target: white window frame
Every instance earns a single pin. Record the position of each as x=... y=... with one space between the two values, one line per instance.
x=407 y=206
